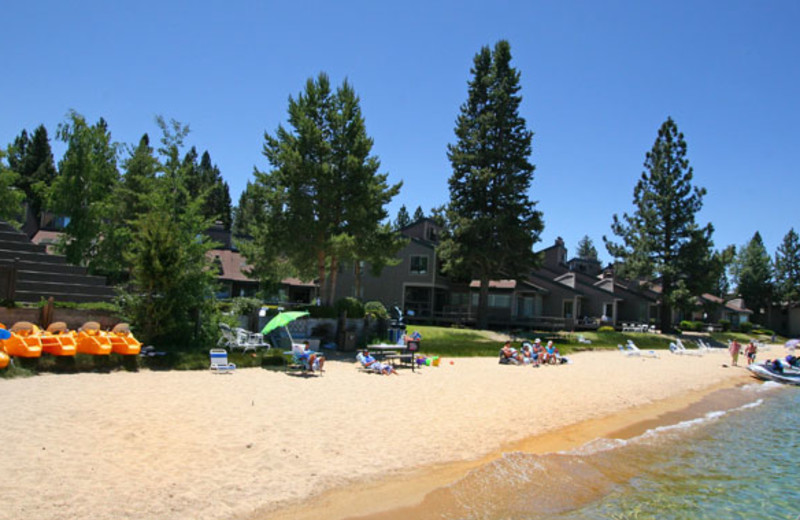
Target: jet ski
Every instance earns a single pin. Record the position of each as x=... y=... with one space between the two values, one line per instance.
x=768 y=371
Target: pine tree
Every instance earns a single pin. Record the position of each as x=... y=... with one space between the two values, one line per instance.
x=129 y=201
x=418 y=214
x=171 y=291
x=586 y=249
x=325 y=196
x=753 y=274
x=11 y=197
x=787 y=269
x=403 y=219
x=32 y=159
x=492 y=224
x=661 y=239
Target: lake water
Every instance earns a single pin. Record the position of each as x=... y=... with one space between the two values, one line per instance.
x=737 y=460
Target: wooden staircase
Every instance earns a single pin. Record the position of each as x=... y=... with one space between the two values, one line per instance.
x=28 y=273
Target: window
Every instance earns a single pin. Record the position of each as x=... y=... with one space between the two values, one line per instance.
x=568 y=312
x=500 y=300
x=419 y=265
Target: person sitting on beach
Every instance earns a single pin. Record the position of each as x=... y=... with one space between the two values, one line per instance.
x=367 y=361
x=311 y=360
x=527 y=355
x=509 y=356
x=774 y=365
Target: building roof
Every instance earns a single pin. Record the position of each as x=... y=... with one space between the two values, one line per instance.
x=232 y=264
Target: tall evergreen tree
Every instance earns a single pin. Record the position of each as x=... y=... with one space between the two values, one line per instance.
x=661 y=239
x=251 y=209
x=418 y=214
x=171 y=292
x=403 y=218
x=88 y=174
x=787 y=269
x=11 y=197
x=753 y=274
x=586 y=249
x=129 y=201
x=325 y=195
x=723 y=261
x=32 y=159
x=492 y=223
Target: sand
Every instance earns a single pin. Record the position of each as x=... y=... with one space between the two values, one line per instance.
x=249 y=445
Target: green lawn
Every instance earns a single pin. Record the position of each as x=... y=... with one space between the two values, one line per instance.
x=452 y=342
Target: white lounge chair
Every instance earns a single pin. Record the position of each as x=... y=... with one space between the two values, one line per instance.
x=583 y=340
x=240 y=338
x=678 y=348
x=219 y=361
x=631 y=346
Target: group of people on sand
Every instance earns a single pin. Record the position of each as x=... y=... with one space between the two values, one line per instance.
x=735 y=348
x=530 y=354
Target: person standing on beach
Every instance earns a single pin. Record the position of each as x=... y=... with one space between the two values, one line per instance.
x=734 y=349
x=750 y=352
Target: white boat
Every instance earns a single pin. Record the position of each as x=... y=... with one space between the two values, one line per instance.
x=766 y=373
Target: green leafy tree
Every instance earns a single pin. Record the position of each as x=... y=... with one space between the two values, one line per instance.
x=753 y=274
x=661 y=238
x=492 y=225
x=787 y=269
x=11 y=197
x=325 y=196
x=171 y=292
x=586 y=249
x=32 y=159
x=88 y=175
x=403 y=218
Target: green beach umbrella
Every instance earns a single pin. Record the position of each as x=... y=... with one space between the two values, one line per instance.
x=282 y=319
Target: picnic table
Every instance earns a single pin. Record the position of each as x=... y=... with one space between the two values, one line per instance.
x=405 y=353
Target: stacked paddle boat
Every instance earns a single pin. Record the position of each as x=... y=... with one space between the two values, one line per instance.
x=26 y=340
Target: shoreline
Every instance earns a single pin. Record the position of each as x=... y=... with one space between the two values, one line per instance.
x=257 y=443
x=398 y=497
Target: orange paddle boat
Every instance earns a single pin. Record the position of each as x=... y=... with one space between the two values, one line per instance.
x=24 y=341
x=57 y=340
x=91 y=340
x=123 y=342
x=4 y=335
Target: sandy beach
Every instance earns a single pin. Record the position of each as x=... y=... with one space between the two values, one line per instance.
x=249 y=445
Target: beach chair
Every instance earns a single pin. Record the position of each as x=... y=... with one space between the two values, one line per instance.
x=299 y=360
x=681 y=349
x=375 y=368
x=219 y=361
x=631 y=349
x=240 y=338
x=583 y=340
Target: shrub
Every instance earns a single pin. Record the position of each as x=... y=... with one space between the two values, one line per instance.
x=745 y=326
x=376 y=310
x=352 y=306
x=245 y=306
x=726 y=325
x=606 y=328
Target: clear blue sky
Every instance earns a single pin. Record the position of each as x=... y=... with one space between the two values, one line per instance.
x=598 y=79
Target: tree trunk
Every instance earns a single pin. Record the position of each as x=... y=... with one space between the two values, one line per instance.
x=358 y=280
x=323 y=293
x=334 y=275
x=483 y=304
x=665 y=309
